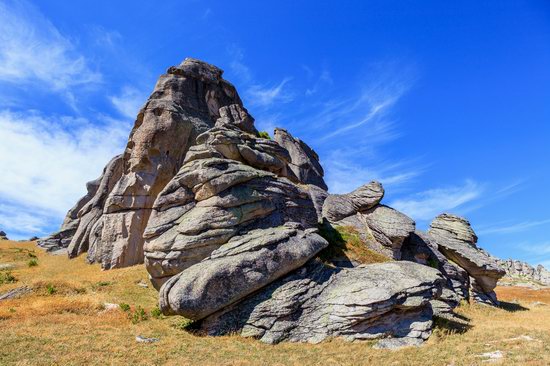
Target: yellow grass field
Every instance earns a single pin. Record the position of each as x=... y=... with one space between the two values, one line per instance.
x=62 y=322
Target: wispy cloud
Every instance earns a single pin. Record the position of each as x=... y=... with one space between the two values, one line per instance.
x=428 y=204
x=323 y=79
x=128 y=102
x=506 y=228
x=47 y=161
x=237 y=65
x=265 y=96
x=34 y=52
x=343 y=173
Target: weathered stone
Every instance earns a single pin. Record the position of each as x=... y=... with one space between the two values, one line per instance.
x=15 y=293
x=62 y=238
x=316 y=302
x=339 y=206
x=457 y=241
x=420 y=248
x=518 y=270
x=304 y=161
x=236 y=269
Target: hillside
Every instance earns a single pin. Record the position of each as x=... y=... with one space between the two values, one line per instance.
x=63 y=321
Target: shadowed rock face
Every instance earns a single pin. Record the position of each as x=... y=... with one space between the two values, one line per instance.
x=456 y=239
x=304 y=162
x=316 y=302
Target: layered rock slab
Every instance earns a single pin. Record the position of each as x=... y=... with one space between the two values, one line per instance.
x=456 y=239
x=387 y=300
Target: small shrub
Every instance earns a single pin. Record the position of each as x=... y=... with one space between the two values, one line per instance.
x=124 y=307
x=12 y=310
x=156 y=313
x=264 y=135
x=7 y=277
x=138 y=315
x=31 y=255
x=50 y=289
x=32 y=262
x=183 y=324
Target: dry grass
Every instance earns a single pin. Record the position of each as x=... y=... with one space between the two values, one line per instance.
x=346 y=243
x=69 y=327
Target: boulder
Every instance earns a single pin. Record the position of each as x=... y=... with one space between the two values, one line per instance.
x=317 y=302
x=420 y=248
x=339 y=206
x=304 y=161
x=456 y=239
x=3 y=235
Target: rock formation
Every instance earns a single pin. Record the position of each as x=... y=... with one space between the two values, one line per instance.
x=456 y=239
x=3 y=235
x=227 y=224
x=518 y=270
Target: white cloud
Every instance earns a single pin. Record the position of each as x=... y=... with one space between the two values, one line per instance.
x=369 y=109
x=264 y=96
x=128 y=102
x=46 y=163
x=343 y=174
x=32 y=50
x=512 y=228
x=428 y=204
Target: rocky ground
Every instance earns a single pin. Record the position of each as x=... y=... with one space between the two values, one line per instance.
x=75 y=314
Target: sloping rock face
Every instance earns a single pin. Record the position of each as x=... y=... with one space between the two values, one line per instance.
x=456 y=239
x=366 y=302
x=422 y=249
x=62 y=238
x=304 y=162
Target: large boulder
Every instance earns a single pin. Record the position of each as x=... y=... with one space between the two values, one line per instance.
x=420 y=248
x=339 y=206
x=386 y=300
x=457 y=240
x=304 y=161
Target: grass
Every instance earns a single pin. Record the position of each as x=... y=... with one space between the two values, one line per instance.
x=72 y=327
x=264 y=135
x=345 y=243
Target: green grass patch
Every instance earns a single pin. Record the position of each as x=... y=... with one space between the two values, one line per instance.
x=264 y=135
x=346 y=242
x=7 y=277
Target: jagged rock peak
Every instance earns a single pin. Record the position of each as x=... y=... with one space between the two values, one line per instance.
x=198 y=69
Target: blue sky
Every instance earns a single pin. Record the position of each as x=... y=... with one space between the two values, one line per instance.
x=446 y=103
